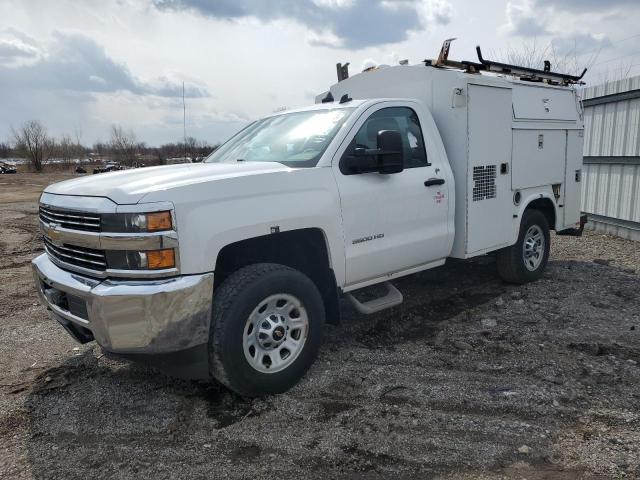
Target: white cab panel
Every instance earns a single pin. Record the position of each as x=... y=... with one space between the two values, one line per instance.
x=394 y=222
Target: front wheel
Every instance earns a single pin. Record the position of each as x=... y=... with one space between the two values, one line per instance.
x=266 y=329
x=526 y=260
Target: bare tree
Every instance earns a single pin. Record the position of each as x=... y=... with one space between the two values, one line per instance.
x=618 y=71
x=190 y=146
x=123 y=144
x=532 y=54
x=31 y=140
x=77 y=131
x=66 y=148
x=5 y=150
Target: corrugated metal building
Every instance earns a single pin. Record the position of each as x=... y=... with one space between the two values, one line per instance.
x=611 y=176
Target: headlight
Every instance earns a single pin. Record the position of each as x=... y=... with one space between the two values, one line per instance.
x=136 y=222
x=146 y=260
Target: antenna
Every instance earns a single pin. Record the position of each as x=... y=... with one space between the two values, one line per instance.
x=184 y=123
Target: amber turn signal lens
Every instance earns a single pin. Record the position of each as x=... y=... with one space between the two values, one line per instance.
x=158 y=221
x=161 y=259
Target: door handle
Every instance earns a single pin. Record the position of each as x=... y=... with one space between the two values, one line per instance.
x=434 y=181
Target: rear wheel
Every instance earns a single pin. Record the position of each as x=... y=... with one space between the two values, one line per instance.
x=526 y=260
x=266 y=329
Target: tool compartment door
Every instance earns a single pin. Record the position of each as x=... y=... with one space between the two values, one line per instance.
x=534 y=103
x=489 y=202
x=538 y=157
x=573 y=178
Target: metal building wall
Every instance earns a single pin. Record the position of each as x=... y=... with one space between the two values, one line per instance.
x=611 y=175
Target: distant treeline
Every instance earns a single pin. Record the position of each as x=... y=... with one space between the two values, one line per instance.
x=32 y=142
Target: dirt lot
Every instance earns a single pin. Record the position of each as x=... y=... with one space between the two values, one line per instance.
x=471 y=378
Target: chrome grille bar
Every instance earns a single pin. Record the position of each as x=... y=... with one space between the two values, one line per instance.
x=71 y=219
x=72 y=249
x=80 y=256
x=95 y=218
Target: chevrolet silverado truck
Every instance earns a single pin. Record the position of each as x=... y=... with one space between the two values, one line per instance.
x=228 y=269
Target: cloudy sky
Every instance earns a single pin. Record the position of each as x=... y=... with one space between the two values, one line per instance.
x=81 y=66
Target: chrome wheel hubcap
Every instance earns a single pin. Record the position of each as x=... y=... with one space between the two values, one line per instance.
x=275 y=333
x=533 y=248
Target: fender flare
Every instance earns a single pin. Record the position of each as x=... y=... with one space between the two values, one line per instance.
x=526 y=202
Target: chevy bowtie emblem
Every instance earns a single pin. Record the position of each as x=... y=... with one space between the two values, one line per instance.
x=53 y=233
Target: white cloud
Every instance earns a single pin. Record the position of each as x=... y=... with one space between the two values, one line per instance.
x=17 y=48
x=581 y=43
x=588 y=5
x=334 y=3
x=438 y=12
x=522 y=19
x=75 y=62
x=356 y=23
x=124 y=61
x=323 y=39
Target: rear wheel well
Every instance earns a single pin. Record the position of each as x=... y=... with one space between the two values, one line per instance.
x=545 y=206
x=304 y=250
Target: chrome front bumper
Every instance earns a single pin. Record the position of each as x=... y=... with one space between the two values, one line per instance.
x=158 y=316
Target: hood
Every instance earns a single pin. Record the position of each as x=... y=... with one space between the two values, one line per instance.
x=130 y=186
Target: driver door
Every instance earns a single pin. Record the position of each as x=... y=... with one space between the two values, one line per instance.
x=398 y=221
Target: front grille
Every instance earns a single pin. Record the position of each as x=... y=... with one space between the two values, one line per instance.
x=79 y=256
x=88 y=222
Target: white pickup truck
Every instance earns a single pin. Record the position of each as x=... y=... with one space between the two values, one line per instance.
x=228 y=269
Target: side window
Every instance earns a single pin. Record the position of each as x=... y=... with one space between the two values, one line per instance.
x=402 y=119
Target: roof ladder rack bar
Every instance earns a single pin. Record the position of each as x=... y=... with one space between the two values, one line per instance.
x=527 y=73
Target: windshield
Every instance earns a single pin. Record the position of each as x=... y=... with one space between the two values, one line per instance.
x=295 y=139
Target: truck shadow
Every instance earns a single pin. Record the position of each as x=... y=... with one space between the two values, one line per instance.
x=430 y=298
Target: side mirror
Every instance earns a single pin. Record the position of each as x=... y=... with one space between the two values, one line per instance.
x=387 y=158
x=390 y=152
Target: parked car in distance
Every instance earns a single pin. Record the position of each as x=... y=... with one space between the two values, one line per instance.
x=6 y=168
x=178 y=160
x=80 y=169
x=108 y=167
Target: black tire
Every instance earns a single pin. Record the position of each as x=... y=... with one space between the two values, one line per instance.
x=511 y=262
x=234 y=301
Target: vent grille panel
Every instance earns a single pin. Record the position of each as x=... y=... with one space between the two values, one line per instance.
x=484 y=179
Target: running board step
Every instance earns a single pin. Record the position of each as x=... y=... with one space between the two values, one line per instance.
x=392 y=298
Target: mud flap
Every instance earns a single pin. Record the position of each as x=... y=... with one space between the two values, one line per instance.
x=574 y=232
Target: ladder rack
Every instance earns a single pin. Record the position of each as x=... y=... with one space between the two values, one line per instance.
x=525 y=73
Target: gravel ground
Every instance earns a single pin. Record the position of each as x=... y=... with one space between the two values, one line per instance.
x=470 y=378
